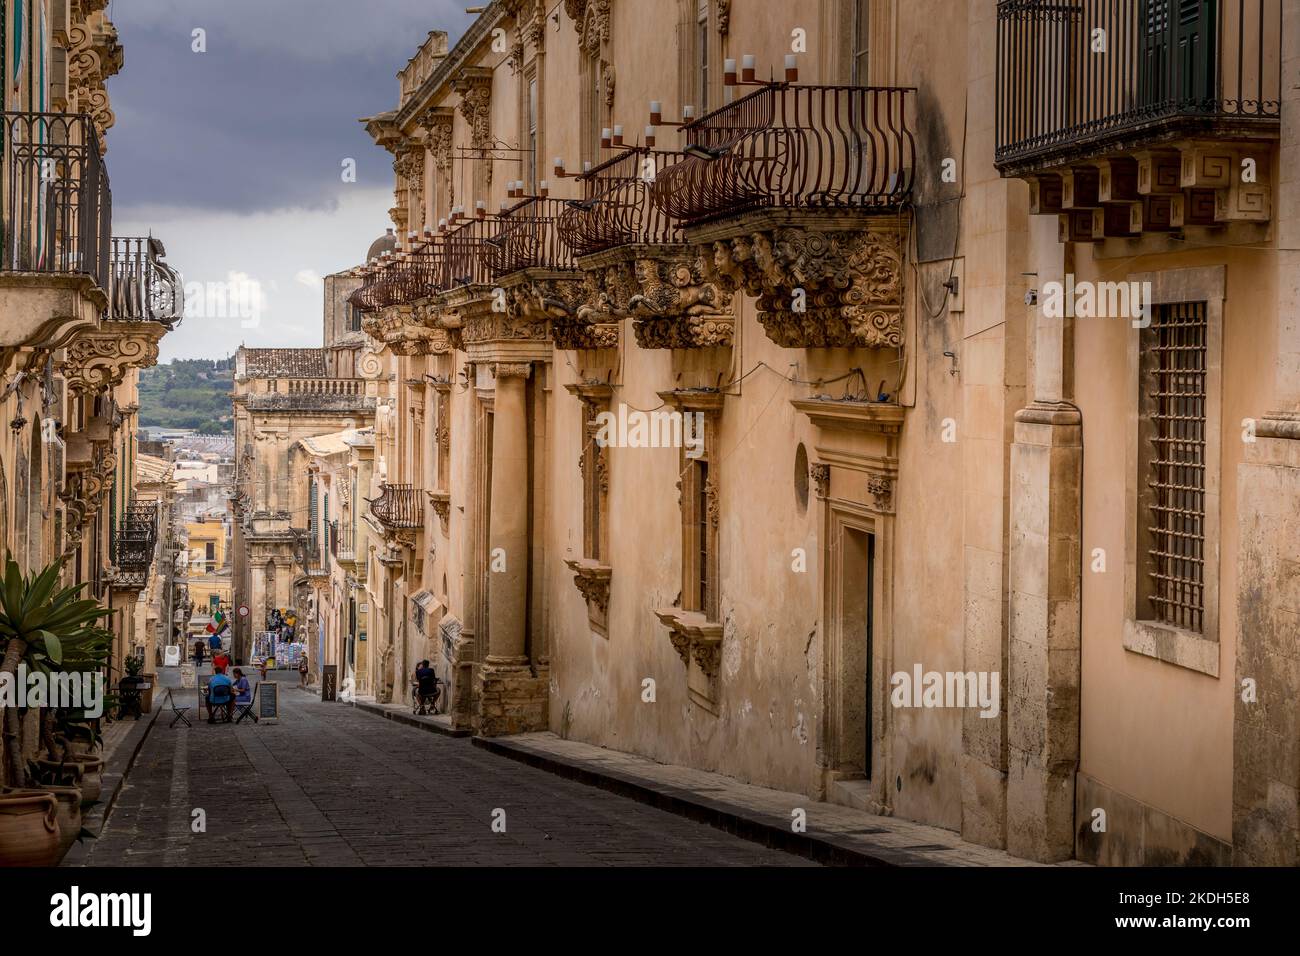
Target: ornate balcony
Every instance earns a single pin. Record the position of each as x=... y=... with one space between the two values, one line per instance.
x=1152 y=136
x=143 y=288
x=787 y=146
x=55 y=209
x=794 y=195
x=146 y=299
x=134 y=544
x=636 y=262
x=398 y=507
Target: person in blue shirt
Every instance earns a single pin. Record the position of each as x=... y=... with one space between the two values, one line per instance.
x=243 y=690
x=220 y=694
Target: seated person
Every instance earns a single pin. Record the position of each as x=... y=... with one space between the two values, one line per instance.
x=220 y=694
x=426 y=680
x=243 y=690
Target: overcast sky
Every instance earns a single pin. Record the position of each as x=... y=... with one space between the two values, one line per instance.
x=233 y=156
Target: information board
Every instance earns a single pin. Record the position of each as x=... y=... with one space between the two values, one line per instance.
x=172 y=656
x=187 y=675
x=329 y=682
x=268 y=700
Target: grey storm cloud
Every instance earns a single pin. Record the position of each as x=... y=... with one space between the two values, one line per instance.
x=265 y=117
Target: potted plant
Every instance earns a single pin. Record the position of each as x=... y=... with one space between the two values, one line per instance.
x=44 y=627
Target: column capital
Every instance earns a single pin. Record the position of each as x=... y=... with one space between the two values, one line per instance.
x=511 y=369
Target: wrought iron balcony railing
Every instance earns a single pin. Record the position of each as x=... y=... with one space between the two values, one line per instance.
x=788 y=145
x=55 y=202
x=615 y=209
x=307 y=551
x=137 y=536
x=398 y=507
x=143 y=288
x=527 y=236
x=1078 y=73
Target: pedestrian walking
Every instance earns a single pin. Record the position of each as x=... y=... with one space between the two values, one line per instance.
x=198 y=654
x=302 y=671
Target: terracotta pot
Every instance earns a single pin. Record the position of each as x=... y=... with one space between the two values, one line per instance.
x=85 y=772
x=29 y=828
x=69 y=815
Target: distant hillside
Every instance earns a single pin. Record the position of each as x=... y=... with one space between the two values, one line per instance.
x=188 y=393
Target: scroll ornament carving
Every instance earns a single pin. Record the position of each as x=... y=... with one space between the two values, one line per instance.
x=476 y=107
x=671 y=301
x=851 y=285
x=100 y=360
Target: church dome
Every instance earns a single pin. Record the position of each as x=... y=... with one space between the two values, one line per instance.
x=385 y=243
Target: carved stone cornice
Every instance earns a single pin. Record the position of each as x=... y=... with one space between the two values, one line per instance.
x=881 y=489
x=693 y=636
x=664 y=290
x=98 y=359
x=592 y=579
x=821 y=476
x=820 y=282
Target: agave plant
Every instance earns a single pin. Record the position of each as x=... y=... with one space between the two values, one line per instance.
x=45 y=627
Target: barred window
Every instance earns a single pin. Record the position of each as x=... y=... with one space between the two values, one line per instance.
x=1174 y=469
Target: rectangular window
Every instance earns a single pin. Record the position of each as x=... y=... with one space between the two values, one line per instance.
x=210 y=555
x=858 y=55
x=704 y=597
x=1175 y=465
x=354 y=319
x=531 y=157
x=702 y=58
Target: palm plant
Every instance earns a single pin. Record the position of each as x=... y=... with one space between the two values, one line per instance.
x=45 y=627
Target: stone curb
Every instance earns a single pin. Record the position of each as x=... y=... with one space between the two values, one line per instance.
x=409 y=720
x=115 y=773
x=825 y=848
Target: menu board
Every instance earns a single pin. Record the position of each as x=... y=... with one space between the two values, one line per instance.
x=268 y=700
x=188 y=678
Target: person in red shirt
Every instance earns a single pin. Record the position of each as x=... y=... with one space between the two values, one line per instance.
x=220 y=661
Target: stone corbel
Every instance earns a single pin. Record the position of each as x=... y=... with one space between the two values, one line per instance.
x=592 y=578
x=694 y=638
x=98 y=359
x=820 y=285
x=441 y=504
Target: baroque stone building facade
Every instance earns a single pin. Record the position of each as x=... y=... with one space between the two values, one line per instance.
x=978 y=372
x=81 y=312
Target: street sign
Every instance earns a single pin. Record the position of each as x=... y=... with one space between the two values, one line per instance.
x=243 y=610
x=329 y=678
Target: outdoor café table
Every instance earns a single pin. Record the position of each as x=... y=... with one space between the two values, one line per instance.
x=129 y=698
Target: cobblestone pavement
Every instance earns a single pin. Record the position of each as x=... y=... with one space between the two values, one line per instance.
x=329 y=785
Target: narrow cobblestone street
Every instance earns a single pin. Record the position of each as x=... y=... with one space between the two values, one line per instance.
x=328 y=785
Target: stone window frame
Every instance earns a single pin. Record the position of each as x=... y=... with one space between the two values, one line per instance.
x=690 y=499
x=1173 y=645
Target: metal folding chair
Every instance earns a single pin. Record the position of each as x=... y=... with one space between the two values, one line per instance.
x=178 y=711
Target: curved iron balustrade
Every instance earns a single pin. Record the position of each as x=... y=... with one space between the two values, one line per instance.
x=615 y=209
x=143 y=288
x=55 y=203
x=794 y=146
x=527 y=236
x=398 y=506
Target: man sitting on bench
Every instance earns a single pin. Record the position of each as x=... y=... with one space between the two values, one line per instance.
x=221 y=694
